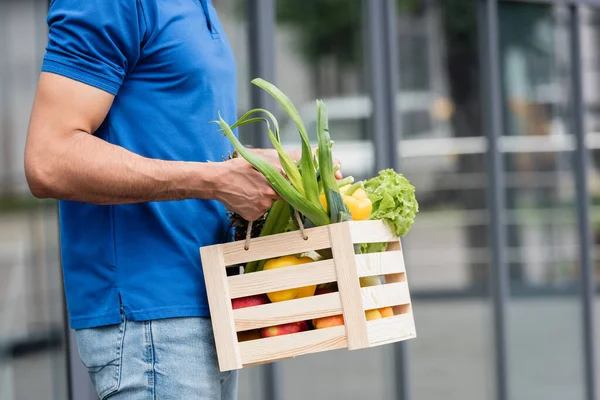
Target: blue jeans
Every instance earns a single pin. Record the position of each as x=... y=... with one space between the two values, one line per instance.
x=167 y=359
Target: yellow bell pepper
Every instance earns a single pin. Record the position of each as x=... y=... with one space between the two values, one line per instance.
x=358 y=203
x=289 y=294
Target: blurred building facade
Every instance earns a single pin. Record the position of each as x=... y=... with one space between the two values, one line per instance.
x=493 y=323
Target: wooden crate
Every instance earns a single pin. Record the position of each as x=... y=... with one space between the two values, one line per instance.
x=345 y=267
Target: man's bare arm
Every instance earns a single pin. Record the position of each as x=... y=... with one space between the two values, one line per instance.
x=64 y=160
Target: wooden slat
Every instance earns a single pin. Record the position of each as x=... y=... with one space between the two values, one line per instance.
x=282 y=278
x=287 y=311
x=370 y=232
x=296 y=344
x=276 y=246
x=217 y=290
x=391 y=294
x=348 y=285
x=391 y=329
x=388 y=262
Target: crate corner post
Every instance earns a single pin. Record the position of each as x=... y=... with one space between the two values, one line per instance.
x=221 y=310
x=344 y=260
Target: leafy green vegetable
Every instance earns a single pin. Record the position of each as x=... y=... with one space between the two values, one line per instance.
x=307 y=167
x=373 y=247
x=288 y=165
x=277 y=221
x=316 y=214
x=393 y=199
x=335 y=204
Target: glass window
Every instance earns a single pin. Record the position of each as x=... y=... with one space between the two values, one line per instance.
x=447 y=254
x=320 y=54
x=232 y=14
x=590 y=35
x=545 y=357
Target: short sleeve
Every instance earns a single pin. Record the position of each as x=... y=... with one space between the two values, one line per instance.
x=94 y=41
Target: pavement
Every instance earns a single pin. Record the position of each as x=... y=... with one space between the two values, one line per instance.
x=452 y=357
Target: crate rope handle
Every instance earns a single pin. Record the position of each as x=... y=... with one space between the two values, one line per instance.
x=299 y=220
x=249 y=230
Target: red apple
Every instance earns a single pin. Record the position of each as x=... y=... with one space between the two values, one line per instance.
x=284 y=329
x=303 y=325
x=249 y=301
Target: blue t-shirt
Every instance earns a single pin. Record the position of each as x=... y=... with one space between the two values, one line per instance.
x=171 y=68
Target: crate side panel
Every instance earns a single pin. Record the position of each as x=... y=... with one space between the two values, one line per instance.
x=278 y=347
x=276 y=246
x=220 y=308
x=348 y=286
x=384 y=263
x=287 y=311
x=391 y=329
x=282 y=278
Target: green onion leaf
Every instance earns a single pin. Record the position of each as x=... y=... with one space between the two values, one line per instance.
x=289 y=166
x=335 y=204
x=307 y=168
x=277 y=181
x=277 y=221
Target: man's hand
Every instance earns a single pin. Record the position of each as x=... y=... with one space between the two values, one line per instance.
x=243 y=189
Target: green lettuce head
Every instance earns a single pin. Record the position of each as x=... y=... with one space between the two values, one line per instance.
x=393 y=199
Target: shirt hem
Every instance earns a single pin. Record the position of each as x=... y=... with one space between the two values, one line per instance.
x=140 y=315
x=95 y=321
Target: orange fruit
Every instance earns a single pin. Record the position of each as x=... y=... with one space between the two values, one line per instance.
x=386 y=312
x=372 y=314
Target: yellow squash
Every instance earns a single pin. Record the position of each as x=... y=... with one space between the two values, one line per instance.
x=289 y=294
x=358 y=203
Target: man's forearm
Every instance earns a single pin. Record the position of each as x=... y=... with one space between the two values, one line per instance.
x=88 y=169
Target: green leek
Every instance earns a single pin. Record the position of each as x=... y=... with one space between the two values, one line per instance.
x=307 y=167
x=288 y=165
x=277 y=221
x=335 y=204
x=314 y=213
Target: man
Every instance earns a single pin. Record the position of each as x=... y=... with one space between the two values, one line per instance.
x=120 y=132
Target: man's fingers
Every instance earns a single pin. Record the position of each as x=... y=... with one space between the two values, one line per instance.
x=276 y=196
x=272 y=194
